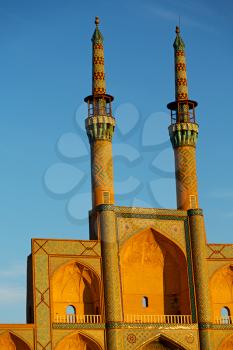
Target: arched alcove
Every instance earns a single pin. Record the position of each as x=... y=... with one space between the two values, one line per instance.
x=75 y=286
x=221 y=290
x=9 y=341
x=77 y=341
x=154 y=273
x=227 y=344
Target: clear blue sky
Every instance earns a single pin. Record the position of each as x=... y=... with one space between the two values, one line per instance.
x=45 y=72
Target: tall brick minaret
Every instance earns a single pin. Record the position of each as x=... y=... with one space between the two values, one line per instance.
x=100 y=128
x=183 y=134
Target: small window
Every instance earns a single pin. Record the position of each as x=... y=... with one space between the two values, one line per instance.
x=193 y=201
x=145 y=302
x=106 y=197
x=225 y=315
x=70 y=310
x=70 y=314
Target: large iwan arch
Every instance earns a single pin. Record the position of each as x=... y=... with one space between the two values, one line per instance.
x=154 y=276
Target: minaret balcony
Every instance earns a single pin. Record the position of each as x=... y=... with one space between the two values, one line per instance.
x=99 y=105
x=164 y=319
x=182 y=111
x=99 y=111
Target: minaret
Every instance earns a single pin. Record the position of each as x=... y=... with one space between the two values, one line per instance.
x=100 y=127
x=183 y=132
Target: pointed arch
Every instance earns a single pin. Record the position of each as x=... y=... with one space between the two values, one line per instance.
x=157 y=228
x=10 y=341
x=154 y=267
x=75 y=284
x=221 y=292
x=79 y=341
x=161 y=342
x=226 y=344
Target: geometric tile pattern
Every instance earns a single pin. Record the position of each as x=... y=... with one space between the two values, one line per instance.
x=146 y=212
x=186 y=176
x=79 y=325
x=172 y=229
x=135 y=338
x=219 y=251
x=102 y=166
x=180 y=68
x=98 y=79
x=110 y=266
x=198 y=241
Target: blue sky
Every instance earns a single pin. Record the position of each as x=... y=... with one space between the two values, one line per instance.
x=45 y=72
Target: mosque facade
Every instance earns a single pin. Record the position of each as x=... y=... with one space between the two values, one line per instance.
x=146 y=278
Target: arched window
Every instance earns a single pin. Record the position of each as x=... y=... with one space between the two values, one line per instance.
x=70 y=310
x=145 y=302
x=70 y=314
x=225 y=315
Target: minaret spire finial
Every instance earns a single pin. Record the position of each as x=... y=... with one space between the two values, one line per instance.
x=98 y=98
x=98 y=74
x=181 y=83
x=97 y=21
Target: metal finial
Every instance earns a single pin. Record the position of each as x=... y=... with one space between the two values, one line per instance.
x=97 y=21
x=177 y=30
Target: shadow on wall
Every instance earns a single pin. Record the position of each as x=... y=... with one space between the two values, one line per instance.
x=9 y=341
x=221 y=289
x=77 y=341
x=75 y=290
x=154 y=276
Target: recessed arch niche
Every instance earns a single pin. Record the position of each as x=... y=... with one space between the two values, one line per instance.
x=153 y=266
x=221 y=291
x=78 y=286
x=77 y=341
x=9 y=341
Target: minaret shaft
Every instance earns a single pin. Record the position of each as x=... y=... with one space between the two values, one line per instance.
x=186 y=177
x=102 y=172
x=181 y=82
x=98 y=74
